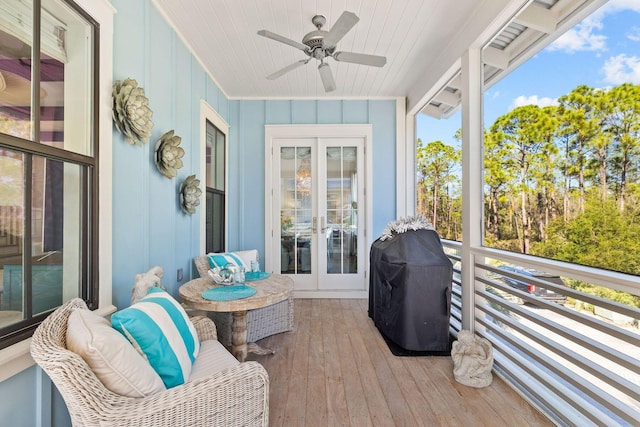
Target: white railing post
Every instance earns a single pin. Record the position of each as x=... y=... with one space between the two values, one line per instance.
x=472 y=162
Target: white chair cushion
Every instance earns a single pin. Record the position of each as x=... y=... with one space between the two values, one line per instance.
x=160 y=329
x=213 y=358
x=110 y=355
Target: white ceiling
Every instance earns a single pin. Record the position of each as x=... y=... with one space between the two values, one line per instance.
x=412 y=34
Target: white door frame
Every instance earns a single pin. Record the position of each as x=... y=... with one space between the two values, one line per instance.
x=273 y=132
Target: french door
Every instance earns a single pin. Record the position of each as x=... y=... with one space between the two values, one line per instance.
x=318 y=212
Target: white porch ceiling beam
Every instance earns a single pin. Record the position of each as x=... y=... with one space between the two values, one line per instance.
x=456 y=82
x=433 y=111
x=496 y=57
x=538 y=18
x=448 y=98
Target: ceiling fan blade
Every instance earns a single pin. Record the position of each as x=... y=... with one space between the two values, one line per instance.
x=327 y=77
x=345 y=22
x=287 y=69
x=360 y=58
x=282 y=39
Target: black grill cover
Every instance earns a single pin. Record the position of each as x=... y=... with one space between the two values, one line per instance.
x=410 y=290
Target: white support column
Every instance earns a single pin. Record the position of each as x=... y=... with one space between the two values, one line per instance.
x=472 y=161
x=405 y=160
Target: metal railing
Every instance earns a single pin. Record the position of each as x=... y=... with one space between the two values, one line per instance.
x=577 y=356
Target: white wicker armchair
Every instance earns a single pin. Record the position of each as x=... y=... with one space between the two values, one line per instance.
x=261 y=323
x=237 y=396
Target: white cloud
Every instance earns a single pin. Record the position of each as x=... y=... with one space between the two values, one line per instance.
x=622 y=69
x=585 y=36
x=617 y=5
x=634 y=34
x=533 y=100
x=582 y=37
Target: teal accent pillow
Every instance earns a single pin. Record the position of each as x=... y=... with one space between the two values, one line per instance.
x=159 y=328
x=223 y=259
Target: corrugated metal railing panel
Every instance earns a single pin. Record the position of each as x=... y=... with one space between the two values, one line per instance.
x=578 y=367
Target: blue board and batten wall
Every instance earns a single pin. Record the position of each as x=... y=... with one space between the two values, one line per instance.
x=149 y=227
x=247 y=162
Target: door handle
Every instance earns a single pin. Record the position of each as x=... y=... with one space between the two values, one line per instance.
x=314 y=225
x=323 y=228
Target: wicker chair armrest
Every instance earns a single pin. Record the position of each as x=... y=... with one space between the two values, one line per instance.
x=202 y=265
x=234 y=396
x=205 y=328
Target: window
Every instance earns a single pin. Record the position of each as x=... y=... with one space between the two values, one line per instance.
x=48 y=161
x=216 y=197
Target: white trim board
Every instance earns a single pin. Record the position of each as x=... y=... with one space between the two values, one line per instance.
x=207 y=112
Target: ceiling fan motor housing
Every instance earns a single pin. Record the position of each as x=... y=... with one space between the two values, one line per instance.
x=314 y=40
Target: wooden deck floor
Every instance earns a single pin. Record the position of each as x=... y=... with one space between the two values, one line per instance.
x=336 y=370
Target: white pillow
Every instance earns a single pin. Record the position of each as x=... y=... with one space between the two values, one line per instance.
x=239 y=258
x=111 y=357
x=224 y=259
x=160 y=329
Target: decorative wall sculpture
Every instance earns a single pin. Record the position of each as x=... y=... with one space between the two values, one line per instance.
x=190 y=194
x=168 y=155
x=131 y=112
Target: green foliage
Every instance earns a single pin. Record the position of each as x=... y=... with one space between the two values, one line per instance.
x=561 y=182
x=601 y=237
x=438 y=184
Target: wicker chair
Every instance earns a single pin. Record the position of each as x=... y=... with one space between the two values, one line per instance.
x=235 y=396
x=261 y=323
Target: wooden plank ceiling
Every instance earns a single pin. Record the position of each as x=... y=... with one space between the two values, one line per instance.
x=223 y=34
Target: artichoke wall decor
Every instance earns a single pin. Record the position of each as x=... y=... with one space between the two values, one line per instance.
x=190 y=194
x=169 y=154
x=131 y=112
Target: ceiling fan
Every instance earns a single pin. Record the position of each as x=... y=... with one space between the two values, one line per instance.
x=320 y=44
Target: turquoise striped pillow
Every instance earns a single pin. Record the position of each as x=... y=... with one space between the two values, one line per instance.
x=159 y=328
x=222 y=259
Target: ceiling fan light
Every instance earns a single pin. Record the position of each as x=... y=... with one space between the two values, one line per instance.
x=327 y=77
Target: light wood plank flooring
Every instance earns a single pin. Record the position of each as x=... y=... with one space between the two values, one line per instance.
x=336 y=370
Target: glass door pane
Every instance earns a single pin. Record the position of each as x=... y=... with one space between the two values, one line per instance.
x=342 y=210
x=296 y=210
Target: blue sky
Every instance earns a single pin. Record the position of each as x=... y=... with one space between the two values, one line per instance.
x=601 y=51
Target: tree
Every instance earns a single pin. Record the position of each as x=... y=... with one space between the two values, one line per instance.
x=622 y=123
x=579 y=124
x=522 y=132
x=544 y=175
x=497 y=176
x=600 y=145
x=436 y=164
